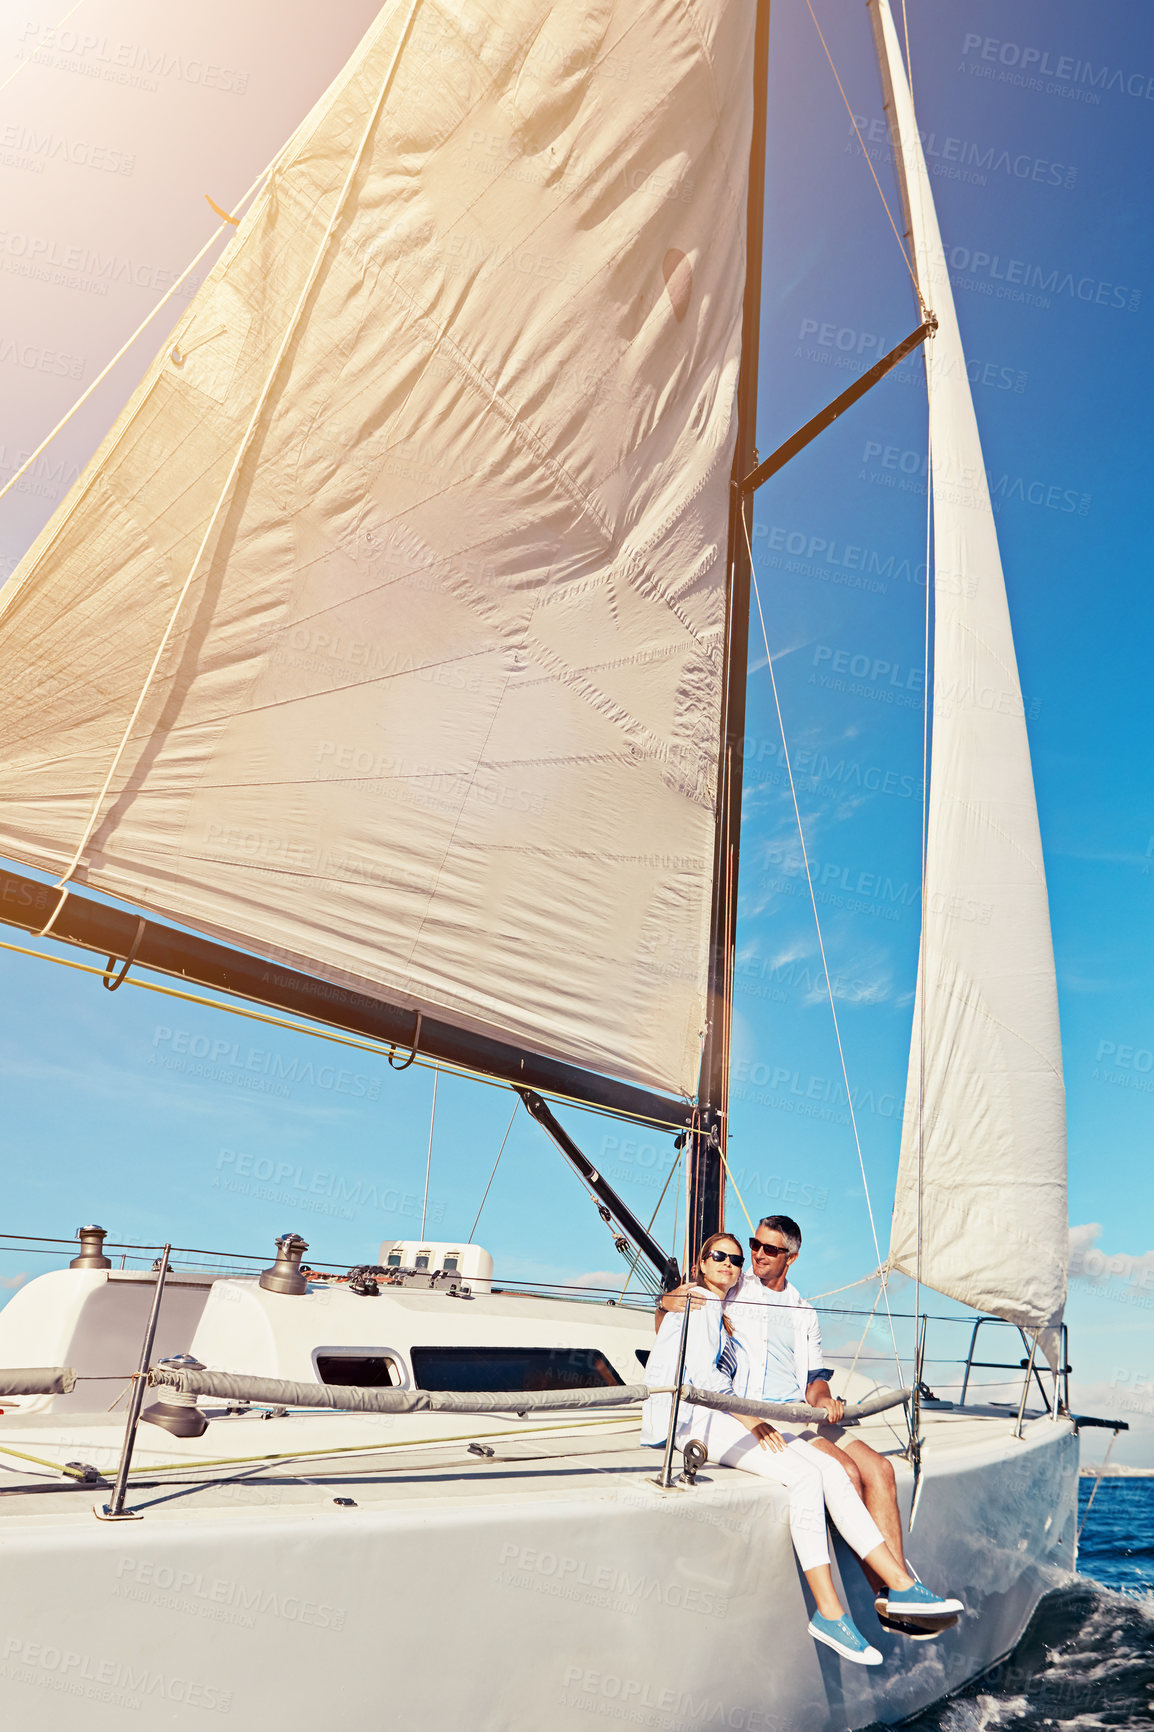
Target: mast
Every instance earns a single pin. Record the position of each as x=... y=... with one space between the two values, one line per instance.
x=707 y=1143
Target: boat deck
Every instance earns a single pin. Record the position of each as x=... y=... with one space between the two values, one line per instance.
x=306 y=1459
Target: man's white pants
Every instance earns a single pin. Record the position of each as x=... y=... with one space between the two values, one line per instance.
x=815 y=1482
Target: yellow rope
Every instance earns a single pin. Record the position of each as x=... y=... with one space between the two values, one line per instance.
x=340 y=1449
x=56 y=1466
x=731 y=1180
x=320 y=1032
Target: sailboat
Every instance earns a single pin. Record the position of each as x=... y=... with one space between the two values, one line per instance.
x=384 y=669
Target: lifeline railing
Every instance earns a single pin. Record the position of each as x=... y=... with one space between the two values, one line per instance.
x=278 y=1393
x=191 y=1382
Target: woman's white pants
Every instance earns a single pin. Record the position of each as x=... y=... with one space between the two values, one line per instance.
x=814 y=1480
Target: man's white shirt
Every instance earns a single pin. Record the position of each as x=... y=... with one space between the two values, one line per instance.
x=781 y=1337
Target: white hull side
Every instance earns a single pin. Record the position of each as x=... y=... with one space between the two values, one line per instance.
x=461 y=1596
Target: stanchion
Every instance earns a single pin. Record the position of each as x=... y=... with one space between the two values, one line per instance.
x=115 y=1511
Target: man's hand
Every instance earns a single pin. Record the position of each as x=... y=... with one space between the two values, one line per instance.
x=675 y=1301
x=818 y=1395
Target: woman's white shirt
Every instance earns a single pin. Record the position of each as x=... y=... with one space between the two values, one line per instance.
x=707 y=1336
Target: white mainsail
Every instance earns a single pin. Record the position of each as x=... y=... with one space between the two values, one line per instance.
x=438 y=712
x=980 y=1210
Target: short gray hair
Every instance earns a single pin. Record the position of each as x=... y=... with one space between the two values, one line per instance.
x=787 y=1227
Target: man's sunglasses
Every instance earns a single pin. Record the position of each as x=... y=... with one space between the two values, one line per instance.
x=735 y=1257
x=767 y=1249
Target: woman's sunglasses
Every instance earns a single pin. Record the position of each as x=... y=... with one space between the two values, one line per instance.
x=734 y=1257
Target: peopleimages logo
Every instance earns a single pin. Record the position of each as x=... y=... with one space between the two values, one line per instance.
x=206 y=1595
x=226 y=1060
x=137 y=64
x=1035 y=64
x=115 y=1682
x=1036 y=284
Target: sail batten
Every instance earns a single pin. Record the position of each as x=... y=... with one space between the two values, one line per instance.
x=438 y=715
x=980 y=1211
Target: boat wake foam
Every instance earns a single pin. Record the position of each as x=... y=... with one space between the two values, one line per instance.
x=1085 y=1662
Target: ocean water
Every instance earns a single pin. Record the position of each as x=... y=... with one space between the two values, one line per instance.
x=1086 y=1663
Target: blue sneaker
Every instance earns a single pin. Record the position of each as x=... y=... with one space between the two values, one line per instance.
x=917 y=1601
x=844 y=1637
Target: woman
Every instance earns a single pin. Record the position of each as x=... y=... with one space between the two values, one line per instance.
x=814 y=1483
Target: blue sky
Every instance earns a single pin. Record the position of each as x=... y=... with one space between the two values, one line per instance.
x=107 y=1116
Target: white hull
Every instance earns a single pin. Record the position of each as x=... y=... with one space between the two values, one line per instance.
x=534 y=1590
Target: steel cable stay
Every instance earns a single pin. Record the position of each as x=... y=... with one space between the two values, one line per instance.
x=649 y=1228
x=496 y=1164
x=821 y=942
x=919 y=1327
x=866 y=155
x=429 y=1157
x=620 y=1241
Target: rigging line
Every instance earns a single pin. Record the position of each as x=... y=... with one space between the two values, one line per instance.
x=241 y=450
x=128 y=342
x=44 y=42
x=649 y=1228
x=337 y=1039
x=690 y=1199
x=429 y=1156
x=869 y=164
x=676 y=1210
x=1098 y=1478
x=866 y=1330
x=817 y=927
x=496 y=1164
x=927 y=704
x=270 y=1457
x=728 y=1170
x=863 y=1281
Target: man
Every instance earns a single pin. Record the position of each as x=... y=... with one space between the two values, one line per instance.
x=774 y=1249
x=780 y=1333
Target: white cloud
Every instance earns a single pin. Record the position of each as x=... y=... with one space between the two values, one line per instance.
x=1088 y=1263
x=14 y=1280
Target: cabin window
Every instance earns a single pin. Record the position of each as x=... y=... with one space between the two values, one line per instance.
x=487 y=1368
x=452 y=1263
x=360 y=1370
x=422 y=1261
x=393 y=1260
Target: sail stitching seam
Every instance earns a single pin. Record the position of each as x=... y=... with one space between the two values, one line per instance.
x=655 y=749
x=996 y=829
x=980 y=1008
x=513 y=419
x=964 y=626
